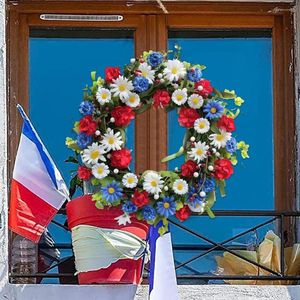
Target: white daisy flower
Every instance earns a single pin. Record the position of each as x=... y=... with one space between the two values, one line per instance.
x=153 y=183
x=147 y=72
x=111 y=140
x=92 y=154
x=103 y=95
x=179 y=96
x=100 y=171
x=174 y=70
x=130 y=180
x=132 y=100
x=198 y=208
x=180 y=187
x=121 y=87
x=195 y=101
x=199 y=152
x=219 y=140
x=201 y=125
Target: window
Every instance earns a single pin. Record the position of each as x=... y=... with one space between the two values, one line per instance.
x=260 y=35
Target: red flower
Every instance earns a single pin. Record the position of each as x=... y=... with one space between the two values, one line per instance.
x=84 y=173
x=112 y=73
x=122 y=115
x=188 y=169
x=140 y=198
x=223 y=168
x=88 y=125
x=183 y=213
x=161 y=98
x=226 y=123
x=187 y=117
x=206 y=89
x=120 y=158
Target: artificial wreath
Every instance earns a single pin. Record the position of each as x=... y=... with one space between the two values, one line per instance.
x=209 y=147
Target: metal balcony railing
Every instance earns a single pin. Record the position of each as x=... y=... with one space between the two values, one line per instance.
x=285 y=226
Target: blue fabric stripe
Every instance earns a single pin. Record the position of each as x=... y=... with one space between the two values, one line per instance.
x=29 y=131
x=153 y=236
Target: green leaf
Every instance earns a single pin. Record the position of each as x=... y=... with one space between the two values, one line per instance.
x=74 y=183
x=99 y=205
x=97 y=197
x=142 y=108
x=179 y=205
x=222 y=185
x=173 y=156
x=162 y=230
x=123 y=134
x=93 y=75
x=172 y=175
x=95 y=181
x=210 y=213
x=71 y=144
x=72 y=159
x=76 y=127
x=105 y=181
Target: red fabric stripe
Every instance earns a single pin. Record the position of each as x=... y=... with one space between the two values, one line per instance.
x=29 y=214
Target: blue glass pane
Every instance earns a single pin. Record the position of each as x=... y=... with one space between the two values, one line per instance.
x=243 y=64
x=59 y=70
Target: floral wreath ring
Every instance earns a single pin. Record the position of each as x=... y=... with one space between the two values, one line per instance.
x=209 y=148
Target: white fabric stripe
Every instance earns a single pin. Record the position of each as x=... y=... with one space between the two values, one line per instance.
x=31 y=172
x=165 y=284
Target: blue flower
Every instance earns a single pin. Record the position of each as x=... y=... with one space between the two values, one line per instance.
x=209 y=185
x=149 y=213
x=112 y=192
x=86 y=108
x=167 y=207
x=155 y=59
x=194 y=75
x=141 y=84
x=231 y=146
x=129 y=207
x=83 y=140
x=213 y=109
x=193 y=197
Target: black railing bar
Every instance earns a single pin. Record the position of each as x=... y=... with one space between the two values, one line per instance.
x=58 y=245
x=281 y=229
x=60 y=225
x=188 y=268
x=44 y=275
x=252 y=213
x=57 y=264
x=225 y=242
x=205 y=247
x=230 y=251
x=48 y=255
x=235 y=277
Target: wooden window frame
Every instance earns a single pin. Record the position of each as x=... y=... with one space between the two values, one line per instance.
x=151 y=27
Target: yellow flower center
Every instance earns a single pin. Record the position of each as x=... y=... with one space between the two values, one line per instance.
x=174 y=71
x=166 y=205
x=199 y=152
x=111 y=140
x=179 y=97
x=122 y=88
x=195 y=100
x=131 y=99
x=100 y=170
x=130 y=180
x=104 y=96
x=219 y=137
x=154 y=183
x=180 y=186
x=94 y=154
x=213 y=110
x=111 y=190
x=144 y=74
x=201 y=125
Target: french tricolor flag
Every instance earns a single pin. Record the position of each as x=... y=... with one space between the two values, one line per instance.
x=162 y=275
x=37 y=189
